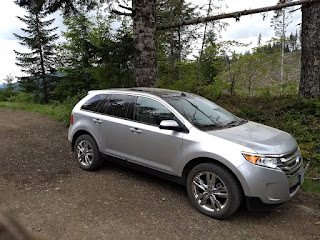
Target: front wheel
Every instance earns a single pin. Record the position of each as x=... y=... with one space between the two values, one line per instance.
x=87 y=153
x=213 y=190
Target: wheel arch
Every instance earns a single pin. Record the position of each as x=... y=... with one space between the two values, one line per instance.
x=194 y=162
x=78 y=134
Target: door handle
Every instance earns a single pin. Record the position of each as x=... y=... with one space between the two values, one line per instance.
x=97 y=121
x=135 y=130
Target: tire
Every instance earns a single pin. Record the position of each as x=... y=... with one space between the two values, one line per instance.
x=213 y=190
x=87 y=153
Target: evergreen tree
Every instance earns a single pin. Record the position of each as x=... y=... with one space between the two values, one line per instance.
x=75 y=58
x=174 y=44
x=39 y=64
x=259 y=40
x=94 y=55
x=8 y=82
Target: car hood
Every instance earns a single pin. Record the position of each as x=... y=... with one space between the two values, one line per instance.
x=260 y=138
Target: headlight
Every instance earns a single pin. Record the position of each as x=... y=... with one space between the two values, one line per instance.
x=266 y=161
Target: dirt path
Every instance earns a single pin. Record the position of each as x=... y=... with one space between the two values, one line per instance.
x=42 y=186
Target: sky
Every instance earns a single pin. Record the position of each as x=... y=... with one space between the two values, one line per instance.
x=246 y=30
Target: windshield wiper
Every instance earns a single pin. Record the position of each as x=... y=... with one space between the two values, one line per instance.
x=235 y=123
x=210 y=126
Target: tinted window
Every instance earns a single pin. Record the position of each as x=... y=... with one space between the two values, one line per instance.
x=118 y=105
x=151 y=112
x=93 y=102
x=201 y=112
x=103 y=106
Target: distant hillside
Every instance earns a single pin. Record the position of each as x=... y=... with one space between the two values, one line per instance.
x=16 y=86
x=268 y=81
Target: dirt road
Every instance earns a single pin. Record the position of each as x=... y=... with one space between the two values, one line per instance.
x=42 y=186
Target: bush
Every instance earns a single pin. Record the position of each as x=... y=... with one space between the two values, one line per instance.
x=21 y=97
x=5 y=95
x=297 y=116
x=68 y=105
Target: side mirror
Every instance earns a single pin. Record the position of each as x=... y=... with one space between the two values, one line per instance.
x=170 y=125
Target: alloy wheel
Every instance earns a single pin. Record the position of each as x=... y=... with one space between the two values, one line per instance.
x=209 y=191
x=85 y=153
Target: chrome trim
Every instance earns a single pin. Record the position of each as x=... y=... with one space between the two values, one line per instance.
x=272 y=155
x=291 y=163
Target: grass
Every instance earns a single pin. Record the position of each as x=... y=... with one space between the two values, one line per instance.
x=299 y=117
x=56 y=111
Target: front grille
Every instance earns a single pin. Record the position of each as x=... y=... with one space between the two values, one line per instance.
x=291 y=162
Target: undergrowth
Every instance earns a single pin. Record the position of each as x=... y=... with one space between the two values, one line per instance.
x=299 y=117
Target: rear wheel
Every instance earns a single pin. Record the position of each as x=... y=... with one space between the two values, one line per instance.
x=213 y=190
x=87 y=153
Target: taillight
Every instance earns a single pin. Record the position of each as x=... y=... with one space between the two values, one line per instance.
x=71 y=119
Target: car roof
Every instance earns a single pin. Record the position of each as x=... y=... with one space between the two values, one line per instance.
x=153 y=91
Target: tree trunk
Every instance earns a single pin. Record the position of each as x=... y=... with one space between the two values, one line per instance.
x=310 y=51
x=144 y=35
x=43 y=71
x=179 y=52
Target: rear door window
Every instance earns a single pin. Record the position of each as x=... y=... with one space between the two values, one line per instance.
x=118 y=105
x=92 y=103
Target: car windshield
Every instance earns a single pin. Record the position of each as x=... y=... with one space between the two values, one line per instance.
x=203 y=113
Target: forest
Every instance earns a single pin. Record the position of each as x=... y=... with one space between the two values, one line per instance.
x=100 y=50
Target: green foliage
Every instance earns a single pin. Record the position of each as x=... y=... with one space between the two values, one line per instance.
x=55 y=109
x=174 y=45
x=94 y=56
x=211 y=64
x=194 y=77
x=38 y=64
x=8 y=81
x=5 y=95
x=21 y=97
x=311 y=185
x=299 y=117
x=8 y=92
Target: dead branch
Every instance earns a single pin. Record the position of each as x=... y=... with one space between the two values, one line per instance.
x=235 y=15
x=121 y=13
x=316 y=124
x=124 y=7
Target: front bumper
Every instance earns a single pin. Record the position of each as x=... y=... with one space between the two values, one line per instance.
x=271 y=186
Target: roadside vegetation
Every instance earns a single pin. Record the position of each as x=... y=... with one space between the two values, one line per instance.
x=259 y=85
x=298 y=116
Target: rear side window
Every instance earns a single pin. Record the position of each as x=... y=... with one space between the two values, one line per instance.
x=118 y=105
x=93 y=102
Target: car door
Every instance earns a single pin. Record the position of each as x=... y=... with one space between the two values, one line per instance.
x=113 y=124
x=155 y=148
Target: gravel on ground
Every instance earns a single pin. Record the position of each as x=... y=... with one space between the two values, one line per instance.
x=42 y=186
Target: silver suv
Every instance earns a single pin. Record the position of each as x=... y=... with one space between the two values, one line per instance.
x=222 y=159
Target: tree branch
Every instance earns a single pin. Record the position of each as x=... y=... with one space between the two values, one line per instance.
x=124 y=7
x=235 y=15
x=121 y=13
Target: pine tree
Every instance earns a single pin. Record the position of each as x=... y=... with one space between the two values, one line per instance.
x=259 y=40
x=174 y=44
x=8 y=82
x=39 y=64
